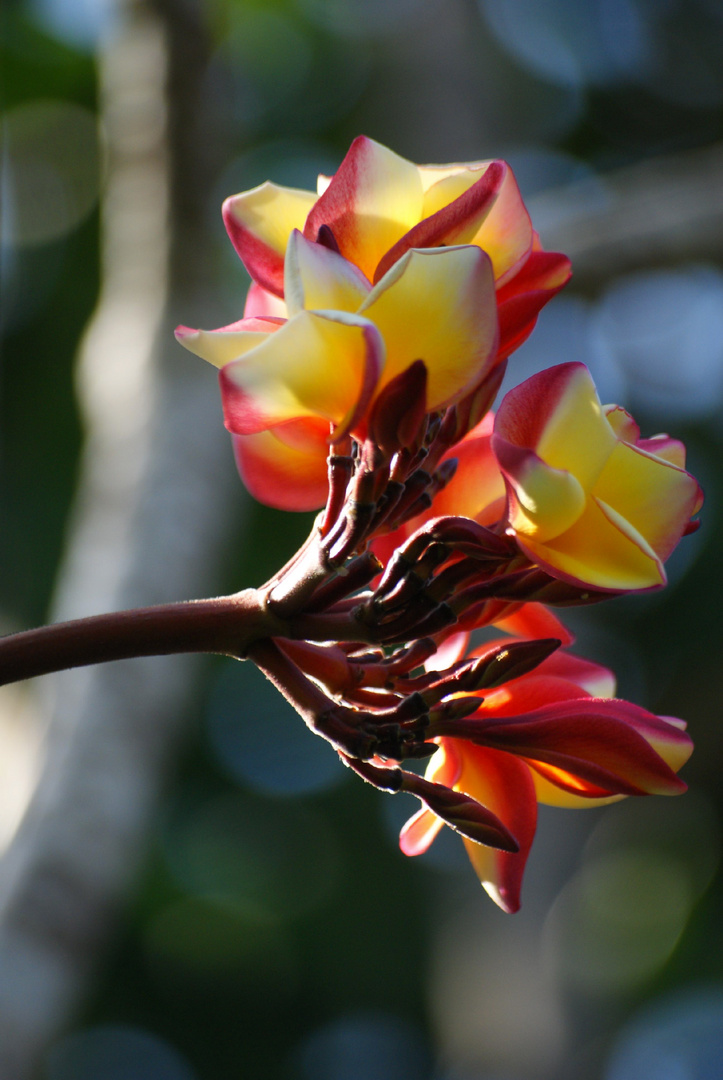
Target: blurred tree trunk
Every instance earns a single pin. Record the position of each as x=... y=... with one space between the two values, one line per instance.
x=154 y=507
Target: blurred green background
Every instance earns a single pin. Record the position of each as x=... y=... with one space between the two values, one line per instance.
x=275 y=930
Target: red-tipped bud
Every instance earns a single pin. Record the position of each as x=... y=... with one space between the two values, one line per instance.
x=461 y=813
x=397 y=417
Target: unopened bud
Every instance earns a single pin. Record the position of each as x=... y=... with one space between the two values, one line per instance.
x=397 y=416
x=461 y=813
x=506 y=662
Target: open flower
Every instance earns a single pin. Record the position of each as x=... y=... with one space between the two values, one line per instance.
x=589 y=500
x=378 y=206
x=553 y=736
x=343 y=343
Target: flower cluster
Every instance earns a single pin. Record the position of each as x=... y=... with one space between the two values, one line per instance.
x=376 y=333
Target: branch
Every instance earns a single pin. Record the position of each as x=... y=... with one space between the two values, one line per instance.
x=225 y=625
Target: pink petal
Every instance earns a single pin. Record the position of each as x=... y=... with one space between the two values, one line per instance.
x=281 y=474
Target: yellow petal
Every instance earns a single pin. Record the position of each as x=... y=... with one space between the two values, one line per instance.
x=506 y=233
x=445 y=191
x=432 y=174
x=315 y=365
x=548 y=501
x=371 y=201
x=317 y=278
x=576 y=434
x=655 y=497
x=596 y=551
x=219 y=347
x=551 y=795
x=270 y=213
x=437 y=306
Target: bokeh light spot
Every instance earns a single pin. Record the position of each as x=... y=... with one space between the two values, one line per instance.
x=664 y=329
x=116 y=1053
x=677 y=1038
x=362 y=1046
x=50 y=171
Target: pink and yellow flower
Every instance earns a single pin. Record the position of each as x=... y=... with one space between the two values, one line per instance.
x=378 y=206
x=343 y=342
x=589 y=501
x=553 y=736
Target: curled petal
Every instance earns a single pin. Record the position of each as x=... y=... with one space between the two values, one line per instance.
x=526 y=293
x=437 y=306
x=506 y=233
x=283 y=470
x=317 y=278
x=316 y=365
x=655 y=497
x=372 y=200
x=259 y=223
x=558 y=414
x=220 y=347
x=599 y=551
x=453 y=211
x=543 y=501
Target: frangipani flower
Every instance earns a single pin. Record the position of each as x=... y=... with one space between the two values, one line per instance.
x=589 y=500
x=343 y=342
x=553 y=736
x=378 y=206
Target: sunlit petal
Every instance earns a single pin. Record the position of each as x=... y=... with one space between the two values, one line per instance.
x=317 y=278
x=259 y=223
x=452 y=213
x=314 y=365
x=655 y=497
x=506 y=232
x=437 y=306
x=503 y=785
x=544 y=501
x=221 y=346
x=373 y=199
x=594 y=551
x=558 y=414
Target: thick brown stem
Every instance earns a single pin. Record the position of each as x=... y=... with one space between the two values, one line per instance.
x=226 y=625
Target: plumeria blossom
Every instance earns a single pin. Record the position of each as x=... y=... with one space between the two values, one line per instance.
x=554 y=736
x=374 y=339
x=589 y=500
x=378 y=206
x=344 y=342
